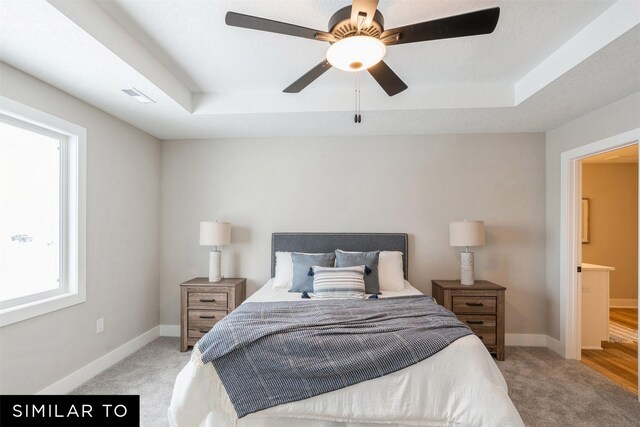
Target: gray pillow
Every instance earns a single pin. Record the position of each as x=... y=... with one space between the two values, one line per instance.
x=368 y=259
x=302 y=263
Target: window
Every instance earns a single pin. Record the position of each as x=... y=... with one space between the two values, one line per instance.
x=41 y=213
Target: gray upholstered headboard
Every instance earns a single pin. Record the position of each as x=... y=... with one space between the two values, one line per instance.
x=329 y=242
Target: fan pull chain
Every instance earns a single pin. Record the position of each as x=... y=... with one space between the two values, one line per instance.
x=357 y=118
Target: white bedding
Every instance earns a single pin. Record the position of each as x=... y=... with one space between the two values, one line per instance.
x=459 y=386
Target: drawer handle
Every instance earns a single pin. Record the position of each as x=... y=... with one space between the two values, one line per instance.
x=480 y=336
x=207 y=317
x=203 y=331
x=475 y=322
x=475 y=304
x=207 y=300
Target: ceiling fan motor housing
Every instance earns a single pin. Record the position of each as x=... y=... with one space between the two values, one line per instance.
x=340 y=25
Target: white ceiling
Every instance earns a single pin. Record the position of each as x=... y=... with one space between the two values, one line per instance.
x=547 y=62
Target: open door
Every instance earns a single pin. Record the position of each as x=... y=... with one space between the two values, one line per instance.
x=571 y=253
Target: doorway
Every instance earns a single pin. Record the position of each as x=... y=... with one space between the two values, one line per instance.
x=571 y=237
x=609 y=254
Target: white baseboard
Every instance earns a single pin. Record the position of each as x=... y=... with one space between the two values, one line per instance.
x=533 y=340
x=82 y=375
x=526 y=340
x=554 y=345
x=623 y=303
x=169 y=330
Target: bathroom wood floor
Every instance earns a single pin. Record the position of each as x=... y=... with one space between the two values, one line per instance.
x=617 y=361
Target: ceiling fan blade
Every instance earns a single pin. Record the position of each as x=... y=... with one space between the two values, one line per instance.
x=467 y=24
x=308 y=77
x=363 y=10
x=386 y=78
x=261 y=24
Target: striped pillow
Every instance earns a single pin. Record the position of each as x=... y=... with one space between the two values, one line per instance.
x=347 y=282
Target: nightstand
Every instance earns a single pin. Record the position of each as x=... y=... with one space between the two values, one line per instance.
x=203 y=304
x=480 y=306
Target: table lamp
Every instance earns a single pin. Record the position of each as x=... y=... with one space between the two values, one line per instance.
x=466 y=233
x=214 y=234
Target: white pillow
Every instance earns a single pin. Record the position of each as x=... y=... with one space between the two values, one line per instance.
x=346 y=282
x=391 y=271
x=284 y=271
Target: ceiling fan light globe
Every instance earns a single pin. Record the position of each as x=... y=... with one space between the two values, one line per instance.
x=356 y=53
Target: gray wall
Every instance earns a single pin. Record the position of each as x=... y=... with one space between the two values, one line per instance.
x=611 y=120
x=123 y=175
x=412 y=184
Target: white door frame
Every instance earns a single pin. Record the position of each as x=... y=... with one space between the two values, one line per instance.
x=570 y=226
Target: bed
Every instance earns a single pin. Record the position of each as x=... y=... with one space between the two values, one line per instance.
x=459 y=385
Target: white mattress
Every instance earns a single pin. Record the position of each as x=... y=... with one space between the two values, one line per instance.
x=458 y=386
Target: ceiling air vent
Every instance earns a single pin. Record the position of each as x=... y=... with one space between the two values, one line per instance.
x=138 y=96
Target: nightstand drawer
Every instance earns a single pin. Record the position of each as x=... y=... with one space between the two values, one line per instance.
x=204 y=318
x=473 y=304
x=488 y=339
x=207 y=300
x=478 y=322
x=484 y=326
x=197 y=332
x=201 y=321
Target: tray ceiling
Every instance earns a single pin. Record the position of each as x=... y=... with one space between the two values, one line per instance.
x=546 y=63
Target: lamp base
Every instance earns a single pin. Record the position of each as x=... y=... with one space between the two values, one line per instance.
x=214 y=267
x=466 y=268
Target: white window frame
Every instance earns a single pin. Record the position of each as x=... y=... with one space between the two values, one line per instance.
x=73 y=145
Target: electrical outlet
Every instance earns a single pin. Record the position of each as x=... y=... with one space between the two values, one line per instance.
x=100 y=325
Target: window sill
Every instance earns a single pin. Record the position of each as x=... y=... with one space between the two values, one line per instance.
x=22 y=312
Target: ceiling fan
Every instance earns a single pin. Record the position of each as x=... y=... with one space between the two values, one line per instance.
x=359 y=41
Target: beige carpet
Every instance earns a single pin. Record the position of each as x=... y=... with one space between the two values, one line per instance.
x=551 y=391
x=149 y=372
x=546 y=389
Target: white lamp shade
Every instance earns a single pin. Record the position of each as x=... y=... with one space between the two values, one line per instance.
x=466 y=233
x=215 y=233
